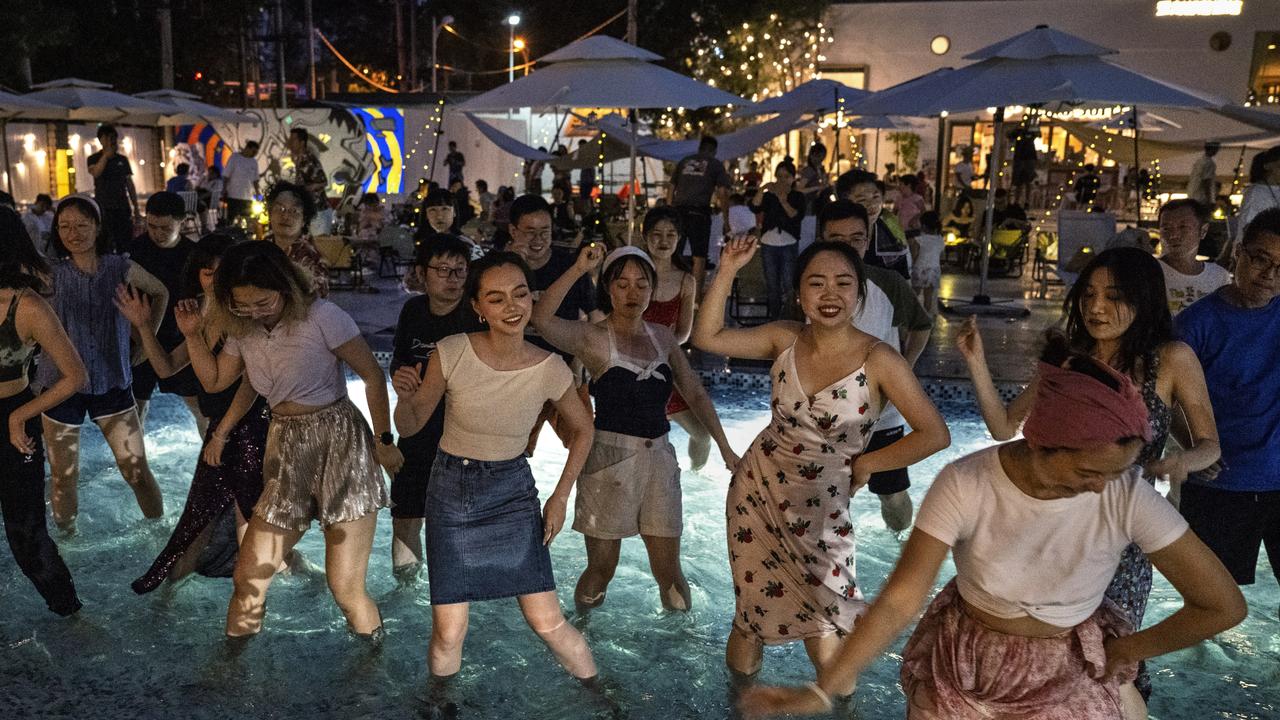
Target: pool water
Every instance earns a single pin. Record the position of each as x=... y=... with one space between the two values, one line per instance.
x=162 y=655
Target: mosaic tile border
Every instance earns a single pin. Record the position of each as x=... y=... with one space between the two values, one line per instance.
x=938 y=389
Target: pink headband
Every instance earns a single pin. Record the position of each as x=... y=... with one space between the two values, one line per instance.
x=1074 y=411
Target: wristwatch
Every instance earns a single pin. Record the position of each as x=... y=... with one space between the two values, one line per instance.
x=387 y=438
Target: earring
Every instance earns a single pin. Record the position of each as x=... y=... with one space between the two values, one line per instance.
x=482 y=320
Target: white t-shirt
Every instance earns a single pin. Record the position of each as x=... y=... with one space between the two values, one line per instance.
x=1186 y=289
x=294 y=362
x=1017 y=555
x=876 y=320
x=238 y=176
x=930 y=252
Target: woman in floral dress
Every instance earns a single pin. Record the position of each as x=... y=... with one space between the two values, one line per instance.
x=791 y=539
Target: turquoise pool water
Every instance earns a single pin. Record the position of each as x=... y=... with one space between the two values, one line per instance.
x=162 y=655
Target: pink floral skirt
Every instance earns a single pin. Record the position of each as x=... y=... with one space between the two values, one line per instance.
x=968 y=671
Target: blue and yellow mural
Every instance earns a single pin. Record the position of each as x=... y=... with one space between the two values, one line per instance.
x=375 y=165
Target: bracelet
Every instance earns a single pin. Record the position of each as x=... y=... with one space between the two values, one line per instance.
x=821 y=695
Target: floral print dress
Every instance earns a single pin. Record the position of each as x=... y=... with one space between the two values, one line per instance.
x=791 y=540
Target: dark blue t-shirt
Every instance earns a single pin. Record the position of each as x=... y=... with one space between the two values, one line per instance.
x=1239 y=349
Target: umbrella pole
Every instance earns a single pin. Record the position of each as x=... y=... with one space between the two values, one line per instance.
x=4 y=139
x=631 y=186
x=940 y=164
x=989 y=212
x=1137 y=168
x=876 y=160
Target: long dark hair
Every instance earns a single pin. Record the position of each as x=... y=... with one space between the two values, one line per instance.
x=208 y=250
x=1140 y=282
x=21 y=267
x=101 y=245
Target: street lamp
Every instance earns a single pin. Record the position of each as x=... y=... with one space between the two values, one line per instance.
x=436 y=27
x=521 y=47
x=512 y=21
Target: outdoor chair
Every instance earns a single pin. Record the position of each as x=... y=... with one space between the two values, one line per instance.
x=341 y=258
x=1044 y=261
x=748 y=301
x=1008 y=252
x=395 y=250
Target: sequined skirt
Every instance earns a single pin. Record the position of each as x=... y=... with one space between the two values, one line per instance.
x=320 y=466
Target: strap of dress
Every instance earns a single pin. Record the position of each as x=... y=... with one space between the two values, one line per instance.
x=10 y=316
x=1152 y=371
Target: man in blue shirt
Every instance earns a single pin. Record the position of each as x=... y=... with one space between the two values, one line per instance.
x=1235 y=331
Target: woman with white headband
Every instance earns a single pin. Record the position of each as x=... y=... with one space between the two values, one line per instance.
x=631 y=482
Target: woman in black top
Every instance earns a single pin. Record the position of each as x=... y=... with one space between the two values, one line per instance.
x=783 y=209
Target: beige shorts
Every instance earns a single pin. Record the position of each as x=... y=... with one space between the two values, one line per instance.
x=629 y=486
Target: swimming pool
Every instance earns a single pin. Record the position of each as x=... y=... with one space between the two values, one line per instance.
x=162 y=655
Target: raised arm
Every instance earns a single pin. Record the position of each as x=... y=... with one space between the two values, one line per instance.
x=1002 y=422
x=688 y=305
x=151 y=285
x=576 y=337
x=136 y=308
x=215 y=372
x=357 y=355
x=762 y=342
x=896 y=607
x=417 y=399
x=1211 y=603
x=577 y=423
x=929 y=434
x=36 y=321
x=691 y=389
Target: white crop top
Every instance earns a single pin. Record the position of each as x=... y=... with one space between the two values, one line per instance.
x=294 y=362
x=1016 y=555
x=488 y=413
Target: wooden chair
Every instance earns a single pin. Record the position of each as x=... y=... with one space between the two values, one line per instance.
x=340 y=257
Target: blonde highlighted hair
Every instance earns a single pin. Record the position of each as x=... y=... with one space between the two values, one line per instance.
x=263 y=265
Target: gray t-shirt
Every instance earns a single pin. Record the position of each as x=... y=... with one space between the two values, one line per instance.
x=696 y=179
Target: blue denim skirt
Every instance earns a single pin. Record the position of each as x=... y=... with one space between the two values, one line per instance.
x=484 y=531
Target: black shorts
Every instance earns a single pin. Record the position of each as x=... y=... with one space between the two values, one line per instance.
x=72 y=410
x=409 y=486
x=695 y=229
x=889 y=481
x=183 y=383
x=1234 y=525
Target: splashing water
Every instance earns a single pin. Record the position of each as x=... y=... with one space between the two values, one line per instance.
x=163 y=655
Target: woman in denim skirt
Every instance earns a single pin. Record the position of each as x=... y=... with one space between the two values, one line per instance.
x=487 y=537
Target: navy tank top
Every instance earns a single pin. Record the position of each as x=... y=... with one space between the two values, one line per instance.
x=631 y=395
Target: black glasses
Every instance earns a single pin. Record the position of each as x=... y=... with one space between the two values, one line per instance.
x=445 y=272
x=1262 y=262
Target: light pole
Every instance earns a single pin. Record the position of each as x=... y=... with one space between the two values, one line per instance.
x=436 y=27
x=512 y=21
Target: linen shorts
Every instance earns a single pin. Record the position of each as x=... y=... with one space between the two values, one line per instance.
x=320 y=466
x=629 y=486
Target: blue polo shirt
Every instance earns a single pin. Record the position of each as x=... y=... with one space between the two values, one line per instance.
x=1239 y=349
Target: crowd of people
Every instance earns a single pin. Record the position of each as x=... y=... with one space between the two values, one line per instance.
x=1054 y=534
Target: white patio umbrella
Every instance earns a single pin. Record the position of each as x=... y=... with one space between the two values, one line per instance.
x=1043 y=67
x=90 y=101
x=188 y=109
x=20 y=106
x=821 y=97
x=601 y=71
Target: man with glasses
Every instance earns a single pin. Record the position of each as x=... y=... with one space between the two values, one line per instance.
x=441 y=269
x=162 y=251
x=1234 y=506
x=1183 y=225
x=531 y=232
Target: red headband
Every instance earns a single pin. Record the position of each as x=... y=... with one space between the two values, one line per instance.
x=1074 y=411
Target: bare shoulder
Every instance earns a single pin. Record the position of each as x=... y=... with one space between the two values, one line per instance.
x=33 y=314
x=1177 y=355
